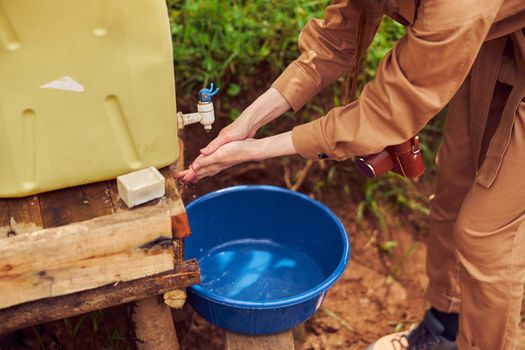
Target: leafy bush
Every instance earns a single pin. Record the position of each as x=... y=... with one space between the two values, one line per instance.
x=233 y=42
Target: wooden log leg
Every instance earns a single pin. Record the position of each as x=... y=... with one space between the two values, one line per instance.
x=183 y=319
x=282 y=341
x=153 y=325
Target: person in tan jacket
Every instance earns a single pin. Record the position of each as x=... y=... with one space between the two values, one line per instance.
x=469 y=54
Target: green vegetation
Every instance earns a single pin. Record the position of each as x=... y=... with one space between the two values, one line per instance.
x=231 y=42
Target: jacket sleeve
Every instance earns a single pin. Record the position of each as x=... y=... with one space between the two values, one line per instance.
x=414 y=81
x=328 y=50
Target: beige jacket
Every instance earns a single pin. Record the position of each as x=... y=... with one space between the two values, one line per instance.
x=414 y=81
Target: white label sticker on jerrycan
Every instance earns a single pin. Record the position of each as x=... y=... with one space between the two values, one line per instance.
x=65 y=83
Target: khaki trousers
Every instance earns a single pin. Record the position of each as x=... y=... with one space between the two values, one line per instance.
x=476 y=248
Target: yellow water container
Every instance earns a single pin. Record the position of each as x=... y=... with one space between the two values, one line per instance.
x=87 y=92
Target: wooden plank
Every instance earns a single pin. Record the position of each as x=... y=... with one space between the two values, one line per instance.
x=24 y=215
x=75 y=204
x=99 y=197
x=43 y=258
x=282 y=341
x=88 y=274
x=106 y=235
x=183 y=275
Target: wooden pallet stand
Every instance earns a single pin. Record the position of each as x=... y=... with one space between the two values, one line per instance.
x=76 y=250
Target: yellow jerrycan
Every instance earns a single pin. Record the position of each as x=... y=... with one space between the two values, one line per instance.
x=87 y=92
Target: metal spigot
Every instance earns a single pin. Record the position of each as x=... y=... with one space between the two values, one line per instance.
x=205 y=113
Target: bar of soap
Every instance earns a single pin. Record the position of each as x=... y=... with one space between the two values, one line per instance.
x=140 y=186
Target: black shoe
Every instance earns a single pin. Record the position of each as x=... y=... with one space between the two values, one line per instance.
x=428 y=335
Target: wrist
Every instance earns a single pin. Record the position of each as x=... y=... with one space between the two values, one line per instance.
x=273 y=146
x=257 y=151
x=264 y=109
x=249 y=120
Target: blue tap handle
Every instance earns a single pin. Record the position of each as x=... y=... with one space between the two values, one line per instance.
x=205 y=95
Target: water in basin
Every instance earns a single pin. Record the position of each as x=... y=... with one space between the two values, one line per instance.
x=257 y=270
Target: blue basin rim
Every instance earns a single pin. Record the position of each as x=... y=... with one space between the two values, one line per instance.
x=314 y=292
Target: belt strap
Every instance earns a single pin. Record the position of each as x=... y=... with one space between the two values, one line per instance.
x=482 y=83
x=501 y=139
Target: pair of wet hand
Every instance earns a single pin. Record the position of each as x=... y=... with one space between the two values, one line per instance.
x=213 y=160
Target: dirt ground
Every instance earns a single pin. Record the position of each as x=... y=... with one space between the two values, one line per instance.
x=379 y=293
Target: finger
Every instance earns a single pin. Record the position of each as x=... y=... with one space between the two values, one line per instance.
x=188 y=177
x=213 y=146
x=196 y=165
x=180 y=174
x=203 y=162
x=205 y=173
x=195 y=178
x=220 y=140
x=195 y=175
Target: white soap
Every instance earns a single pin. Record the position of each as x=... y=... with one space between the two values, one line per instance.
x=140 y=186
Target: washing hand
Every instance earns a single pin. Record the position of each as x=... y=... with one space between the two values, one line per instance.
x=235 y=144
x=241 y=129
x=237 y=152
x=225 y=156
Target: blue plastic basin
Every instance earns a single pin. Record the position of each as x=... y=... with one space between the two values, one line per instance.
x=267 y=257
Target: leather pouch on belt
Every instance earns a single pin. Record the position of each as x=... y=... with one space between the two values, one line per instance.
x=404 y=159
